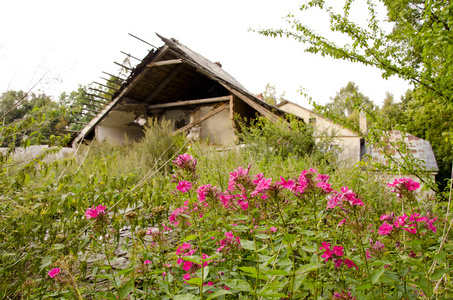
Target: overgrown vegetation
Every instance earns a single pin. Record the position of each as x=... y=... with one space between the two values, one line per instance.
x=123 y=222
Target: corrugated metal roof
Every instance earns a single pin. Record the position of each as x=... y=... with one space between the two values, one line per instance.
x=420 y=148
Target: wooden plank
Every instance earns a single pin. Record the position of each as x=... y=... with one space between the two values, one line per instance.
x=163 y=83
x=92 y=105
x=97 y=101
x=112 y=104
x=201 y=119
x=232 y=110
x=190 y=102
x=262 y=110
x=164 y=63
x=100 y=91
x=97 y=96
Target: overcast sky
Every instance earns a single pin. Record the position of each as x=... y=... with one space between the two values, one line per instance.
x=70 y=43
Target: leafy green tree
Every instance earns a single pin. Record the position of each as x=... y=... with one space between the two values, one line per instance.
x=15 y=106
x=345 y=103
x=270 y=95
x=419 y=47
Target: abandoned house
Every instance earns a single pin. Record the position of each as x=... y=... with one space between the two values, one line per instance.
x=178 y=84
x=352 y=148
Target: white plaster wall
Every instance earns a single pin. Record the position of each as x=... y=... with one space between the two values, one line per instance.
x=117 y=128
x=119 y=134
x=217 y=128
x=344 y=138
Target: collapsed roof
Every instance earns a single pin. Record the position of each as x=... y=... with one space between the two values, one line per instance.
x=175 y=76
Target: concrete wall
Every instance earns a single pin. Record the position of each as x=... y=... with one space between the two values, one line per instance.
x=25 y=154
x=118 y=127
x=218 y=128
x=345 y=139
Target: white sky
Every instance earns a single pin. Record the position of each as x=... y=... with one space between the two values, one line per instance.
x=72 y=42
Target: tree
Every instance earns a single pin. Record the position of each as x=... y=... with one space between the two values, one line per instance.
x=17 y=106
x=270 y=95
x=419 y=48
x=344 y=104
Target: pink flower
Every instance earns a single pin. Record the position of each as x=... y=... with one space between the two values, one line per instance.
x=147 y=262
x=93 y=212
x=349 y=263
x=342 y=222
x=184 y=186
x=54 y=272
x=164 y=274
x=285 y=184
x=337 y=250
x=273 y=229
x=183 y=160
x=385 y=228
x=263 y=185
x=186 y=276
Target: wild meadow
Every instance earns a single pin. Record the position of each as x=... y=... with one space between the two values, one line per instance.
x=166 y=218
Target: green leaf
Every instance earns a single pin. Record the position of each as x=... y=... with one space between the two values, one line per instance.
x=289 y=238
x=377 y=274
x=439 y=273
x=237 y=284
x=219 y=293
x=248 y=245
x=126 y=289
x=248 y=270
x=125 y=271
x=205 y=272
x=262 y=236
x=364 y=287
x=440 y=257
x=107 y=295
x=46 y=261
x=307 y=268
x=57 y=246
x=189 y=238
x=196 y=281
x=185 y=297
x=276 y=272
x=310 y=249
x=192 y=258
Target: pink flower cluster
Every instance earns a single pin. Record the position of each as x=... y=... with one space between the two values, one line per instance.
x=93 y=212
x=407 y=223
x=185 y=161
x=188 y=266
x=336 y=254
x=230 y=242
x=345 y=196
x=401 y=184
x=184 y=186
x=239 y=178
x=344 y=295
x=304 y=181
x=54 y=272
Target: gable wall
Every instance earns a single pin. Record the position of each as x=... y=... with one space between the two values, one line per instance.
x=346 y=140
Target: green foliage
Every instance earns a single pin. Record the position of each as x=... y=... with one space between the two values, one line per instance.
x=347 y=101
x=29 y=117
x=270 y=95
x=291 y=137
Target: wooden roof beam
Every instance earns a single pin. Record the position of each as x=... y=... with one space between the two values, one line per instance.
x=164 y=63
x=190 y=102
x=164 y=83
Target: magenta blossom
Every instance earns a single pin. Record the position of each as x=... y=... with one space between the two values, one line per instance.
x=285 y=184
x=147 y=262
x=385 y=228
x=93 y=212
x=54 y=272
x=184 y=186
